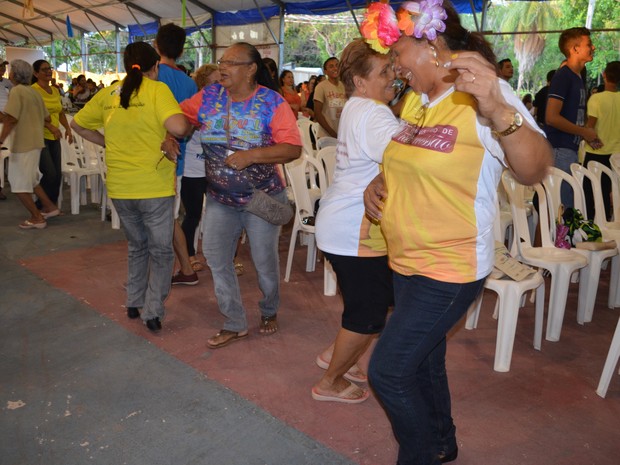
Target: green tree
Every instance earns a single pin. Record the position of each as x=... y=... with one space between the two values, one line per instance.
x=527 y=17
x=309 y=42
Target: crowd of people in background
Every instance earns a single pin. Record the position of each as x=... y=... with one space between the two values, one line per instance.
x=402 y=226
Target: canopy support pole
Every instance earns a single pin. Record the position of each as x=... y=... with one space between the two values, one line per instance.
x=118 y=50
x=136 y=20
x=354 y=17
x=473 y=11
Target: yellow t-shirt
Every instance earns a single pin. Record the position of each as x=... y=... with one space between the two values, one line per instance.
x=440 y=180
x=54 y=106
x=605 y=107
x=133 y=136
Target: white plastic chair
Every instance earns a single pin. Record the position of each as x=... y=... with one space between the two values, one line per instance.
x=588 y=276
x=304 y=126
x=5 y=152
x=614 y=160
x=77 y=168
x=98 y=151
x=296 y=172
x=561 y=263
x=510 y=298
x=610 y=229
x=327 y=156
x=610 y=363
x=598 y=170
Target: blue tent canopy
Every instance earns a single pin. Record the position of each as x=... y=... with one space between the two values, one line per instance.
x=314 y=7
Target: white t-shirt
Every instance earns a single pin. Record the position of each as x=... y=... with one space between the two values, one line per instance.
x=194 y=158
x=333 y=98
x=366 y=128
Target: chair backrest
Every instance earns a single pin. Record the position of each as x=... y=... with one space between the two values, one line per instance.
x=614 y=160
x=595 y=172
x=327 y=156
x=553 y=182
x=304 y=126
x=516 y=194
x=580 y=173
x=95 y=156
x=9 y=139
x=297 y=173
x=317 y=131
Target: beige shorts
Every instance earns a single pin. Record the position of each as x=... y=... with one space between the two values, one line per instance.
x=24 y=174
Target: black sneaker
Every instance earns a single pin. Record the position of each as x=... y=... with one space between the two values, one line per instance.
x=154 y=325
x=186 y=279
x=133 y=313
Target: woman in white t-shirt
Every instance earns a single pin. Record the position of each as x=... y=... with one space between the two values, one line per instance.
x=353 y=245
x=194 y=182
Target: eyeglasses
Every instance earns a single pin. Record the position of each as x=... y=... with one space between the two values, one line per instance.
x=233 y=63
x=45 y=70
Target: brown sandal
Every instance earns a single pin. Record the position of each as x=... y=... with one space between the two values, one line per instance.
x=197 y=265
x=268 y=325
x=225 y=337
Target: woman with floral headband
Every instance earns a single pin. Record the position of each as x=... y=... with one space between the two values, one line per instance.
x=436 y=203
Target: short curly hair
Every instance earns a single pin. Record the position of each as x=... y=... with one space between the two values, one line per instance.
x=201 y=76
x=356 y=61
x=22 y=72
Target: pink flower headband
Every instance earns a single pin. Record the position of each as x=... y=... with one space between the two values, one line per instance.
x=382 y=27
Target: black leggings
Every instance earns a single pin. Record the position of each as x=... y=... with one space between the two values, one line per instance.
x=192 y=195
x=50 y=165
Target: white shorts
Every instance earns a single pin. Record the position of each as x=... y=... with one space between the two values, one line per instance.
x=24 y=174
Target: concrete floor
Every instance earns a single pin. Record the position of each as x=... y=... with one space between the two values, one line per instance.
x=80 y=383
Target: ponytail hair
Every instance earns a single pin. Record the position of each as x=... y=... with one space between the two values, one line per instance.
x=139 y=57
x=459 y=38
x=263 y=75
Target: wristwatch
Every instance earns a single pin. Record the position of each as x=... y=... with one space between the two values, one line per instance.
x=517 y=122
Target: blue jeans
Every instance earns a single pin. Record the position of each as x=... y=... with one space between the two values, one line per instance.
x=148 y=226
x=563 y=159
x=408 y=367
x=222 y=227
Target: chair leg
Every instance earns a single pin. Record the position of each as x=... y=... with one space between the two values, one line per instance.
x=610 y=363
x=557 y=303
x=474 y=312
x=506 y=329
x=83 y=180
x=311 y=256
x=614 y=287
x=291 y=252
x=75 y=194
x=540 y=314
x=588 y=286
x=329 y=279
